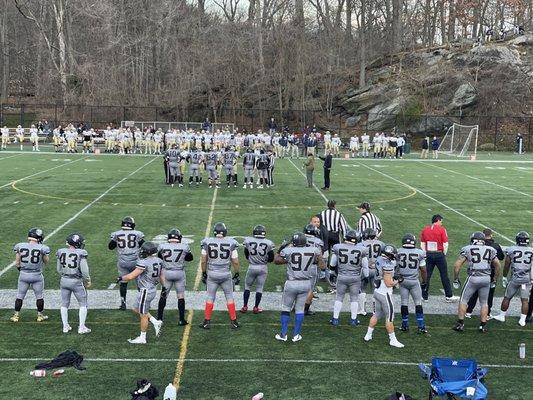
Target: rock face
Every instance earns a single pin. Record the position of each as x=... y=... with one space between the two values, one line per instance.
x=464 y=96
x=383 y=116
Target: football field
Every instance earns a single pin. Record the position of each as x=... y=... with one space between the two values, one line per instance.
x=89 y=194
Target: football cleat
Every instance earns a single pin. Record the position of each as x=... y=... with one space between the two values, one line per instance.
x=452 y=299
x=334 y=321
x=361 y=312
x=137 y=340
x=368 y=337
x=296 y=338
x=281 y=338
x=468 y=315
x=67 y=328
x=15 y=317
x=499 y=317
x=459 y=327
x=522 y=322
x=206 y=324
x=422 y=331
x=235 y=324
x=482 y=329
x=396 y=343
x=83 y=330
x=244 y=309
x=309 y=313
x=122 y=306
x=182 y=322
x=257 y=310
x=41 y=317
x=404 y=328
x=157 y=327
x=354 y=322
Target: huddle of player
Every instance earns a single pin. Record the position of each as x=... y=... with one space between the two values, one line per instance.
x=383 y=146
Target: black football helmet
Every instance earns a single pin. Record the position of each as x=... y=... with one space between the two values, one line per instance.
x=311 y=230
x=259 y=231
x=147 y=249
x=299 y=239
x=389 y=251
x=522 y=238
x=76 y=240
x=352 y=236
x=128 y=223
x=174 y=234
x=36 y=234
x=369 y=233
x=220 y=229
x=477 y=238
x=249 y=150
x=408 y=240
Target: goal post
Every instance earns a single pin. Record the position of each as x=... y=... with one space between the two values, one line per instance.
x=460 y=140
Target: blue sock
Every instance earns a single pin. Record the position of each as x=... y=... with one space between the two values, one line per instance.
x=420 y=317
x=285 y=317
x=246 y=296
x=298 y=321
x=405 y=315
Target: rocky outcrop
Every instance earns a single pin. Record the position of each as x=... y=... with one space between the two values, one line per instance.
x=464 y=96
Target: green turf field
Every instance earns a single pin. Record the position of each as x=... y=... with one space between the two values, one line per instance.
x=90 y=194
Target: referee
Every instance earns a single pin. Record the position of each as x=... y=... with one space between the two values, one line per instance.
x=335 y=224
x=368 y=219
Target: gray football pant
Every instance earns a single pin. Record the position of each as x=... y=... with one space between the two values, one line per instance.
x=144 y=300
x=71 y=286
x=294 y=295
x=194 y=170
x=228 y=169
x=248 y=172
x=174 y=169
x=175 y=278
x=263 y=173
x=217 y=280
x=513 y=287
x=383 y=306
x=255 y=275
x=27 y=279
x=125 y=267
x=473 y=284
x=411 y=287
x=212 y=173
x=350 y=285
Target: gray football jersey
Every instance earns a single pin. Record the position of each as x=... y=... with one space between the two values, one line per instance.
x=313 y=241
x=174 y=155
x=229 y=158
x=383 y=264
x=128 y=244
x=151 y=267
x=409 y=262
x=173 y=255
x=211 y=159
x=479 y=258
x=521 y=263
x=219 y=252
x=249 y=160
x=31 y=256
x=69 y=262
x=196 y=157
x=258 y=249
x=349 y=258
x=374 y=247
x=300 y=262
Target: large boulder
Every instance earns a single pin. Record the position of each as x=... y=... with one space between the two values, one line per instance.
x=493 y=54
x=429 y=124
x=351 y=122
x=383 y=116
x=523 y=40
x=464 y=96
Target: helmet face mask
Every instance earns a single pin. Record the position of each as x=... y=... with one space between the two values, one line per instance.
x=408 y=240
x=128 y=223
x=522 y=238
x=477 y=238
x=259 y=231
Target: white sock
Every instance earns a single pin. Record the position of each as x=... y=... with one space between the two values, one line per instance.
x=83 y=315
x=143 y=335
x=362 y=300
x=153 y=320
x=64 y=315
x=523 y=318
x=354 y=308
x=337 y=306
x=369 y=331
x=392 y=336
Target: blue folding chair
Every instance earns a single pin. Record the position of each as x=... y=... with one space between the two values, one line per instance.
x=456 y=379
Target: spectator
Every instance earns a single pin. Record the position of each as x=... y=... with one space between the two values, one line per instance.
x=489 y=34
x=434 y=241
x=489 y=241
x=311 y=144
x=400 y=143
x=206 y=126
x=272 y=126
x=328 y=160
x=368 y=219
x=435 y=147
x=309 y=166
x=425 y=147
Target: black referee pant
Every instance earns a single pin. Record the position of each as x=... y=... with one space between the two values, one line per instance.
x=473 y=300
x=438 y=259
x=167 y=171
x=333 y=239
x=530 y=309
x=327 y=181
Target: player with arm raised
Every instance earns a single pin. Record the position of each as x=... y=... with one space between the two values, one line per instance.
x=519 y=259
x=479 y=257
x=74 y=270
x=300 y=276
x=374 y=247
x=411 y=264
x=127 y=241
x=174 y=254
x=259 y=251
x=148 y=272
x=219 y=255
x=30 y=259
x=350 y=262
x=383 y=305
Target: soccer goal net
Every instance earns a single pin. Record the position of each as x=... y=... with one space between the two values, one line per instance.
x=460 y=140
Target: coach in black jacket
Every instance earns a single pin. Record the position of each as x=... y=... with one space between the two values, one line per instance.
x=328 y=159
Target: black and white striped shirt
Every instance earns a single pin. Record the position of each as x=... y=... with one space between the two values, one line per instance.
x=369 y=220
x=334 y=221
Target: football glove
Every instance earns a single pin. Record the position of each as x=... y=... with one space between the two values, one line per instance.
x=456 y=283
x=87 y=284
x=119 y=279
x=398 y=278
x=284 y=244
x=204 y=278
x=504 y=281
x=236 y=279
x=424 y=287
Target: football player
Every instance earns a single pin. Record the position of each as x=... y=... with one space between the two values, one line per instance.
x=229 y=157
x=519 y=259
x=219 y=255
x=211 y=163
x=148 y=272
x=300 y=277
x=354 y=146
x=411 y=264
x=174 y=254
x=383 y=305
x=195 y=159
x=248 y=165
x=19 y=132
x=259 y=251
x=365 y=142
x=350 y=263
x=30 y=260
x=5 y=137
x=174 y=158
x=327 y=142
x=480 y=258
x=312 y=233
x=336 y=144
x=262 y=164
x=75 y=279
x=34 y=138
x=127 y=242
x=87 y=140
x=374 y=247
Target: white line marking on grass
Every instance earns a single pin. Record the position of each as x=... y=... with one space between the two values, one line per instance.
x=315 y=186
x=16 y=202
x=38 y=173
x=41 y=202
x=5 y=158
x=437 y=201
x=75 y=216
x=112 y=286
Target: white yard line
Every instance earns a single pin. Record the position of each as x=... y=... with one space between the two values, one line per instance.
x=480 y=180
x=438 y=202
x=5 y=158
x=40 y=173
x=315 y=186
x=261 y=360
x=386 y=160
x=75 y=216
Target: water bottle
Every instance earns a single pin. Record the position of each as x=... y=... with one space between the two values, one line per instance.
x=38 y=373
x=522 y=350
